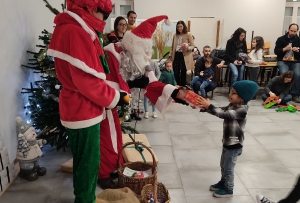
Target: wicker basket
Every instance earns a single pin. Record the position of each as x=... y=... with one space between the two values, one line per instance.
x=161 y=192
x=136 y=184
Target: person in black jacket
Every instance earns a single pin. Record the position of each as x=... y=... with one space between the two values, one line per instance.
x=290 y=41
x=200 y=66
x=236 y=45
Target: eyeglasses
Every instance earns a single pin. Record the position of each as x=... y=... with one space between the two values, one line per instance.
x=123 y=25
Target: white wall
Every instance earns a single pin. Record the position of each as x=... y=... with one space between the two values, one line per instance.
x=264 y=17
x=21 y=23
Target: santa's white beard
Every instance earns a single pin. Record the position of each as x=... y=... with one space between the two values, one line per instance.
x=133 y=66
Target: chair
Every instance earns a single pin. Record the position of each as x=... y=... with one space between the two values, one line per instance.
x=267 y=48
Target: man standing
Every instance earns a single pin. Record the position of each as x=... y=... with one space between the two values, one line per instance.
x=200 y=66
x=131 y=18
x=290 y=42
x=80 y=66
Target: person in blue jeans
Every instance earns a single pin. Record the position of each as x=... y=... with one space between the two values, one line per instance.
x=290 y=42
x=236 y=45
x=280 y=86
x=234 y=116
x=205 y=77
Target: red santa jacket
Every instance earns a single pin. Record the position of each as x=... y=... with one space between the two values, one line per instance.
x=157 y=92
x=85 y=93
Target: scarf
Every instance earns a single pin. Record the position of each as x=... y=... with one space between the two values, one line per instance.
x=96 y=25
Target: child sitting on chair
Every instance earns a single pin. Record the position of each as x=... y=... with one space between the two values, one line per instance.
x=280 y=86
x=205 y=76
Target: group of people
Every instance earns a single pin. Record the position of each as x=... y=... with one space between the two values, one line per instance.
x=97 y=79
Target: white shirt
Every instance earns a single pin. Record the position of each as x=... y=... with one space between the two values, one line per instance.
x=255 y=57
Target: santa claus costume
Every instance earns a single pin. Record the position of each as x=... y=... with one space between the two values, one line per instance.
x=129 y=61
x=85 y=94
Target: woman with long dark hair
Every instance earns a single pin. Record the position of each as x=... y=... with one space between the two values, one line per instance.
x=120 y=27
x=182 y=57
x=236 y=45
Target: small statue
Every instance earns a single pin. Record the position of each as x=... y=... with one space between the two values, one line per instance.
x=29 y=151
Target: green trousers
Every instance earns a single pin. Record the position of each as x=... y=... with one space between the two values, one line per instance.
x=85 y=148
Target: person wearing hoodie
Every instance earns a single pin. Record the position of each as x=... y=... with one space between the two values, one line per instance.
x=290 y=42
x=167 y=74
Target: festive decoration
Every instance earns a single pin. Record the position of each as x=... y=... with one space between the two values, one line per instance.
x=29 y=151
x=160 y=38
x=43 y=106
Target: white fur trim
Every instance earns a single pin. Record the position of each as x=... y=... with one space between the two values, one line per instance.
x=111 y=49
x=168 y=22
x=138 y=47
x=112 y=129
x=164 y=101
x=116 y=99
x=82 y=23
x=82 y=124
x=151 y=76
x=76 y=62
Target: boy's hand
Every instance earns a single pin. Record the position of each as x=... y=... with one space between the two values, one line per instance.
x=201 y=73
x=205 y=102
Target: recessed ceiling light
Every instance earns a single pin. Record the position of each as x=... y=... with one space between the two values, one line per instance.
x=294 y=0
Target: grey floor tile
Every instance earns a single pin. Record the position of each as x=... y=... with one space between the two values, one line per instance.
x=282 y=116
x=264 y=175
x=288 y=125
x=295 y=171
x=262 y=128
x=211 y=199
x=186 y=128
x=258 y=119
x=196 y=181
x=288 y=157
x=182 y=118
x=278 y=141
x=164 y=154
x=158 y=138
x=197 y=158
x=61 y=200
x=256 y=154
x=198 y=141
x=177 y=195
x=168 y=174
x=203 y=116
x=25 y=196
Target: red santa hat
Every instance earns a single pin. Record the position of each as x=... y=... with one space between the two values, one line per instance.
x=139 y=42
x=92 y=5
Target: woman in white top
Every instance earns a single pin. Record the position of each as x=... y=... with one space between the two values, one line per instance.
x=256 y=56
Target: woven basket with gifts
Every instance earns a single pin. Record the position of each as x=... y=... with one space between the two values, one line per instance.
x=136 y=183
x=156 y=192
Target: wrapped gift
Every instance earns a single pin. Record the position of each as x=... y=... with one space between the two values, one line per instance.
x=67 y=166
x=131 y=154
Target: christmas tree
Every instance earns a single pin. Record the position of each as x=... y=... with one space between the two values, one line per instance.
x=43 y=99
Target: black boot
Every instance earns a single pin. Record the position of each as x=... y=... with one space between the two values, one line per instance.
x=135 y=116
x=40 y=170
x=30 y=175
x=107 y=183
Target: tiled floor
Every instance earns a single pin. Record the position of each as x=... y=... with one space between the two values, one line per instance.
x=188 y=146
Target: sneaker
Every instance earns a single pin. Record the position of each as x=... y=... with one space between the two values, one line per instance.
x=217 y=186
x=154 y=114
x=222 y=193
x=261 y=199
x=296 y=99
x=146 y=115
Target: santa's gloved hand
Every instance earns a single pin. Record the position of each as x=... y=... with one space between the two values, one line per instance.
x=124 y=99
x=139 y=82
x=180 y=101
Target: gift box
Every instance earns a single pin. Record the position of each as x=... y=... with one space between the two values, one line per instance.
x=131 y=154
x=4 y=158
